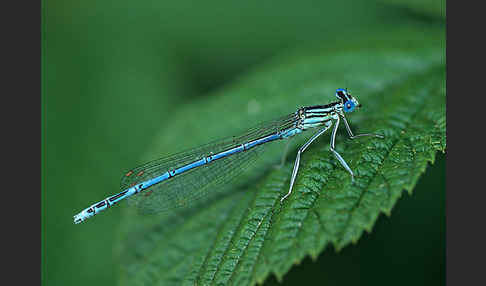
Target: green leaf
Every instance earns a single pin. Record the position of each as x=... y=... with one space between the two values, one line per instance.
x=244 y=235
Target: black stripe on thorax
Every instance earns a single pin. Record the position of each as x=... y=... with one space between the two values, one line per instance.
x=315 y=107
x=315 y=111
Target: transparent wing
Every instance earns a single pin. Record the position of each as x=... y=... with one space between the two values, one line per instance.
x=183 y=189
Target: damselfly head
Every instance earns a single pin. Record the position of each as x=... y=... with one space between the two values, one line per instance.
x=349 y=102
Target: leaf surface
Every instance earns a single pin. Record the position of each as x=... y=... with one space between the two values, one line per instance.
x=245 y=234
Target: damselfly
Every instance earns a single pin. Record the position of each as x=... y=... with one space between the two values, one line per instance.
x=163 y=183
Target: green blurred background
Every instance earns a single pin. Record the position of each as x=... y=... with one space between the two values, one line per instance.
x=112 y=71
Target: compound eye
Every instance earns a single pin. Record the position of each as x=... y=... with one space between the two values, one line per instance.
x=349 y=106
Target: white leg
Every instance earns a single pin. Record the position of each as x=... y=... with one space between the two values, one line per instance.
x=285 y=152
x=351 y=136
x=340 y=159
x=297 y=160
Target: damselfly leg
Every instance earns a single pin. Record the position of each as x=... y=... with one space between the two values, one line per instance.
x=340 y=159
x=332 y=148
x=351 y=135
x=297 y=159
x=284 y=153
